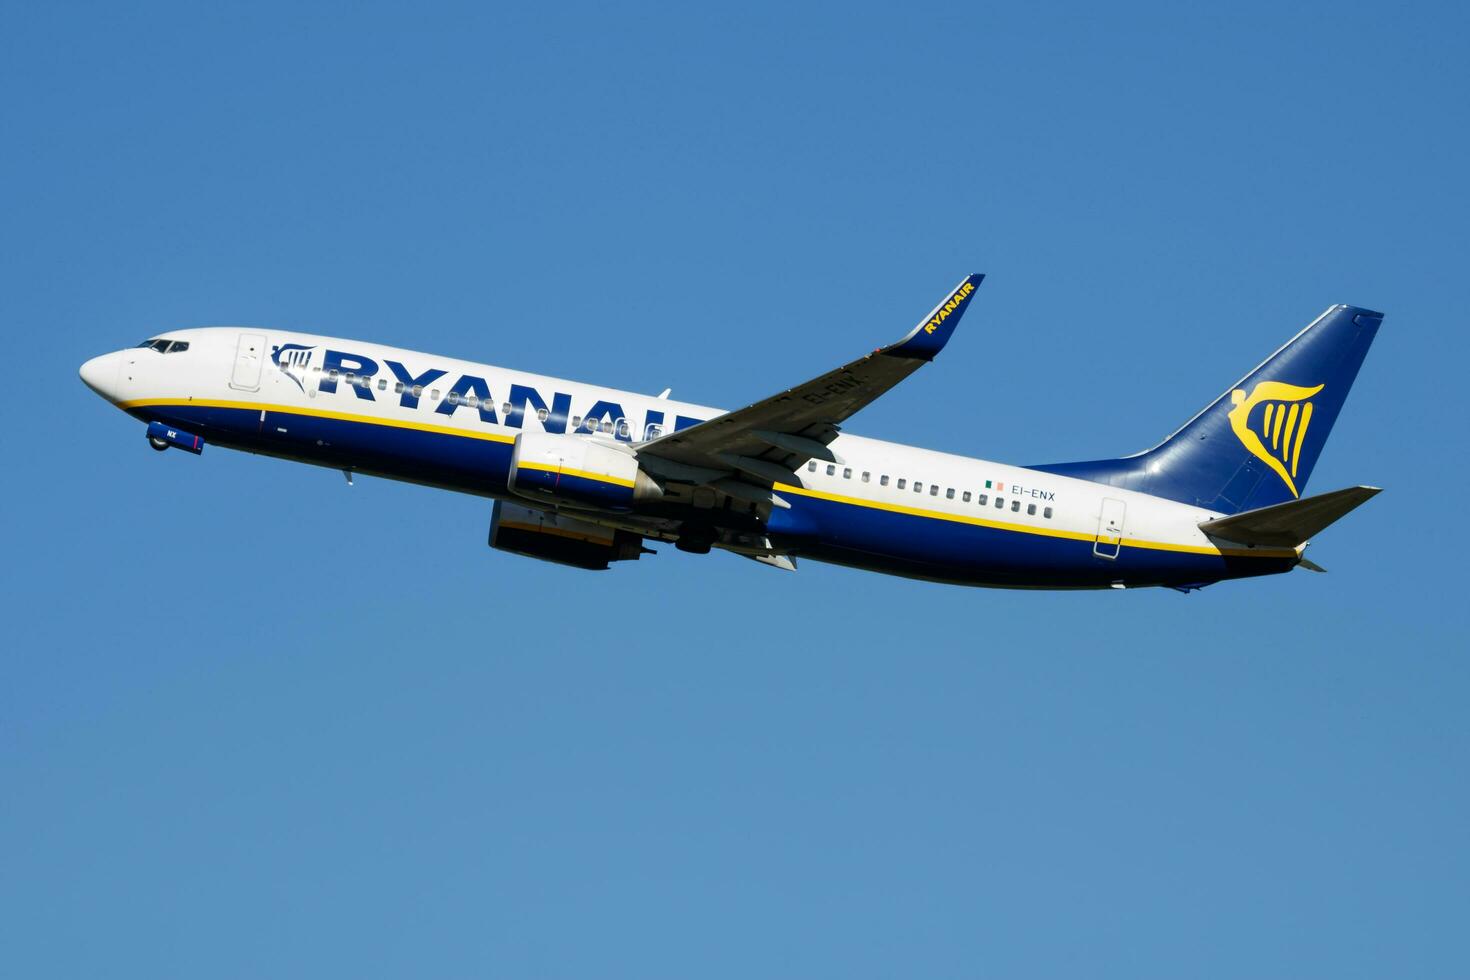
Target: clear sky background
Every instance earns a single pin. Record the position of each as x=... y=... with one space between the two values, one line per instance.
x=256 y=723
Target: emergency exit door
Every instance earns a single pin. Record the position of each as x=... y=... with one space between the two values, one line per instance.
x=249 y=358
x=1109 y=529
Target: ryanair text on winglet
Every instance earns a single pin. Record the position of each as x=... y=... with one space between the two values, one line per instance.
x=949 y=307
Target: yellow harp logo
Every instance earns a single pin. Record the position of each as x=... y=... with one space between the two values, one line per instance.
x=1277 y=437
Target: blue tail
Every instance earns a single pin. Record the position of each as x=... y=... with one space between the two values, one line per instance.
x=1256 y=444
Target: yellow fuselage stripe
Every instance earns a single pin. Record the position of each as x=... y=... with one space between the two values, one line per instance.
x=1046 y=532
x=317 y=413
x=779 y=487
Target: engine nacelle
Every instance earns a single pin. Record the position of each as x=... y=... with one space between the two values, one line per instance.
x=551 y=468
x=560 y=539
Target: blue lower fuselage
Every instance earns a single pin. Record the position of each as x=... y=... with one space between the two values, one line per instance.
x=817 y=527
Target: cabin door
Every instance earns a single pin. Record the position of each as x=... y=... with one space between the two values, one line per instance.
x=249 y=358
x=1109 y=529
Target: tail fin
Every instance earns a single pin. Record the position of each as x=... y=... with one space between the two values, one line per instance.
x=1256 y=444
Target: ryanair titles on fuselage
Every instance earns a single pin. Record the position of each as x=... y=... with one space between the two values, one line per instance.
x=471 y=393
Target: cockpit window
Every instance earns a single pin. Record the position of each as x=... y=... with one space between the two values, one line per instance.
x=165 y=346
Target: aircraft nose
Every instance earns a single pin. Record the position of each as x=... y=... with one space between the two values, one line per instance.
x=100 y=374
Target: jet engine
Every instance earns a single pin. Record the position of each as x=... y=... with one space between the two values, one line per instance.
x=552 y=468
x=560 y=539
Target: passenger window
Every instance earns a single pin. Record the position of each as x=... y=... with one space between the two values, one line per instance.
x=900 y=483
x=1031 y=510
x=866 y=475
x=542 y=414
x=933 y=489
x=1046 y=513
x=949 y=494
x=332 y=374
x=918 y=487
x=1015 y=506
x=433 y=394
x=453 y=398
x=472 y=401
x=382 y=384
x=350 y=378
x=831 y=470
x=811 y=467
x=504 y=409
x=983 y=499
x=418 y=391
x=847 y=473
x=398 y=388
x=622 y=428
x=606 y=425
x=1000 y=503
x=576 y=422
x=655 y=430
x=883 y=480
x=965 y=496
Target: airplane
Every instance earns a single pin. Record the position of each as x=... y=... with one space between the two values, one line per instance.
x=585 y=476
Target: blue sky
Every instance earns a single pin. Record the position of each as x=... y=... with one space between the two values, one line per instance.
x=253 y=722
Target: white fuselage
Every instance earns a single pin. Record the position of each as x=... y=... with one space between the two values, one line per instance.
x=302 y=389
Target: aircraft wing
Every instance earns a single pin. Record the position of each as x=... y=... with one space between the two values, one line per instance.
x=744 y=452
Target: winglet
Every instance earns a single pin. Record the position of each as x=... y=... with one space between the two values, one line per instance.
x=933 y=332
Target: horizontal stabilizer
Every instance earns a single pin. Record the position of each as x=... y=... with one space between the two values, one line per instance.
x=1289 y=524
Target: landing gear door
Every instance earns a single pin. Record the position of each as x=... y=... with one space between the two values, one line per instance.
x=1109 y=529
x=249 y=358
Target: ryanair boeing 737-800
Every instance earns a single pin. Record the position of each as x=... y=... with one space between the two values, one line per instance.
x=585 y=476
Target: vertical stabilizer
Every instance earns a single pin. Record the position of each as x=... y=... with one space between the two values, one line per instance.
x=1257 y=443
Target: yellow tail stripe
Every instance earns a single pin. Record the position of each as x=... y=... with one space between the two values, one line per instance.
x=1290 y=425
x=1301 y=433
x=1276 y=432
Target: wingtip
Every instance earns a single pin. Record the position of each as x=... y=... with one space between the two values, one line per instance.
x=933 y=332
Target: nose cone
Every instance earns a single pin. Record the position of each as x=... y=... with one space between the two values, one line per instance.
x=100 y=374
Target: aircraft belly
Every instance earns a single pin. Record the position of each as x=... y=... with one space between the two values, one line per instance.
x=477 y=466
x=966 y=553
x=846 y=533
